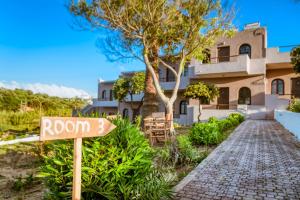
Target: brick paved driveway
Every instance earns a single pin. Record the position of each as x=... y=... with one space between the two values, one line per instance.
x=260 y=160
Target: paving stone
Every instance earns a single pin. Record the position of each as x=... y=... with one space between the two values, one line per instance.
x=260 y=160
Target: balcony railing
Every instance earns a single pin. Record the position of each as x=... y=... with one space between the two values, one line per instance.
x=105 y=102
x=221 y=59
x=167 y=79
x=105 y=99
x=237 y=65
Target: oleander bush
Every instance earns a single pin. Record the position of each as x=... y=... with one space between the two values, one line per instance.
x=212 y=132
x=294 y=106
x=117 y=166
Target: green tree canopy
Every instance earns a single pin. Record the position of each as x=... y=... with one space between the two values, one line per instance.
x=120 y=88
x=295 y=59
x=157 y=32
x=202 y=92
x=131 y=85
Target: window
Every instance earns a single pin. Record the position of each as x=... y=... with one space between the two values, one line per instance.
x=183 y=108
x=125 y=113
x=185 y=71
x=206 y=58
x=244 y=96
x=104 y=94
x=170 y=75
x=161 y=75
x=245 y=49
x=224 y=54
x=110 y=95
x=277 y=87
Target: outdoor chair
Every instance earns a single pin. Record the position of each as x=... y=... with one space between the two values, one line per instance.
x=158 y=130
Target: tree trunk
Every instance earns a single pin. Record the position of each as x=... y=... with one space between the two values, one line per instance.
x=150 y=103
x=169 y=117
x=199 y=115
x=131 y=106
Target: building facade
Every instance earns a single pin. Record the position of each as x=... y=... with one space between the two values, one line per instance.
x=252 y=79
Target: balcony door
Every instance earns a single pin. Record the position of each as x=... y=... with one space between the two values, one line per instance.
x=224 y=54
x=170 y=76
x=223 y=99
x=296 y=87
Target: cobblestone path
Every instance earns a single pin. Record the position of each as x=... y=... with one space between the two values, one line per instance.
x=260 y=160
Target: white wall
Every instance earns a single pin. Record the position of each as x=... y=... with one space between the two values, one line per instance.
x=290 y=120
x=193 y=111
x=182 y=120
x=275 y=102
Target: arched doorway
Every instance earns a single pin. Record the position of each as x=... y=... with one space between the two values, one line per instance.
x=277 y=87
x=245 y=49
x=244 y=96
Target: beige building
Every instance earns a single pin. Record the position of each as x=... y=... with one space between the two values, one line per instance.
x=252 y=78
x=106 y=104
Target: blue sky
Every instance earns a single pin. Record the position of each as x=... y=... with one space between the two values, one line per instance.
x=39 y=45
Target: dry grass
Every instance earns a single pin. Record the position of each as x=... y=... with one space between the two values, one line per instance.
x=19 y=161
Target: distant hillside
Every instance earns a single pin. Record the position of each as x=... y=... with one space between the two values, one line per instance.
x=21 y=110
x=18 y=99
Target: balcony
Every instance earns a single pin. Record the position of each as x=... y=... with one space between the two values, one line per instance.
x=105 y=102
x=277 y=59
x=169 y=83
x=135 y=97
x=239 y=65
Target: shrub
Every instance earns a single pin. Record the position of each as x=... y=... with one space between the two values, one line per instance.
x=187 y=152
x=19 y=118
x=138 y=121
x=294 y=105
x=117 y=166
x=211 y=133
x=180 y=152
x=21 y=183
x=212 y=120
x=240 y=118
x=176 y=125
x=205 y=133
x=236 y=118
x=225 y=124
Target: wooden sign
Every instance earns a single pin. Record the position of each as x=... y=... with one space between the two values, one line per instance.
x=58 y=128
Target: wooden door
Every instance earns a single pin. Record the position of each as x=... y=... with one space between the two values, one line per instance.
x=296 y=87
x=223 y=99
x=224 y=54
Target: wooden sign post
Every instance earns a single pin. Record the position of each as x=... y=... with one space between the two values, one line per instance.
x=59 y=128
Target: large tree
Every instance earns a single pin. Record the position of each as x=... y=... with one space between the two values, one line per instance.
x=295 y=59
x=157 y=32
x=129 y=86
x=202 y=92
